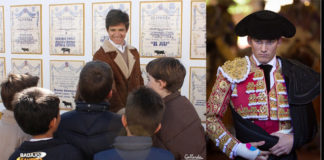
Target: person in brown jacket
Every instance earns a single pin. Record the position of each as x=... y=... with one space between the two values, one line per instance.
x=181 y=131
x=123 y=59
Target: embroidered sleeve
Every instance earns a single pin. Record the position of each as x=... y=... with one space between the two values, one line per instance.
x=216 y=106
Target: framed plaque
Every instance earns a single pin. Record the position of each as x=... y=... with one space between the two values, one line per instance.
x=64 y=77
x=99 y=13
x=66 y=24
x=197 y=90
x=198 y=30
x=2 y=71
x=2 y=33
x=26 y=29
x=31 y=66
x=160 y=29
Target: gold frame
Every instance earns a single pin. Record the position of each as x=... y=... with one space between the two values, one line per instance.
x=190 y=72
x=83 y=28
x=3 y=31
x=41 y=63
x=129 y=15
x=193 y=1
x=140 y=27
x=4 y=72
x=41 y=28
x=50 y=62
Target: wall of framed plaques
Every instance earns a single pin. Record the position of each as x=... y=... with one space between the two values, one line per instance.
x=55 y=38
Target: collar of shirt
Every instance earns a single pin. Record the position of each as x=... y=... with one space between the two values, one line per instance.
x=40 y=139
x=273 y=64
x=121 y=48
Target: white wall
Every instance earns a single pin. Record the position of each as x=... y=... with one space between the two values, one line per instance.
x=135 y=12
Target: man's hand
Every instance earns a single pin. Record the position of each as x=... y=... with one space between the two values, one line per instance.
x=264 y=155
x=284 y=144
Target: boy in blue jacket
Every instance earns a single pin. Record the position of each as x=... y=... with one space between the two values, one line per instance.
x=36 y=111
x=142 y=118
x=91 y=127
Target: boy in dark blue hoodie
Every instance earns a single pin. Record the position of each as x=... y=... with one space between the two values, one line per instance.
x=36 y=111
x=91 y=127
x=144 y=111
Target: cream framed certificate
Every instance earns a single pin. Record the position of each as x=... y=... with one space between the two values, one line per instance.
x=144 y=73
x=160 y=29
x=2 y=71
x=2 y=33
x=64 y=77
x=197 y=90
x=31 y=66
x=66 y=29
x=26 y=29
x=198 y=30
x=99 y=13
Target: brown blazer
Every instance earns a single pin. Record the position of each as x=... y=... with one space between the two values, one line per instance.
x=181 y=132
x=126 y=79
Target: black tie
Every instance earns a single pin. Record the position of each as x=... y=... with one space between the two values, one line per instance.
x=266 y=69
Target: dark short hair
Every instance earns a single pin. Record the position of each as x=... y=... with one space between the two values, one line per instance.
x=95 y=82
x=144 y=111
x=169 y=70
x=115 y=17
x=15 y=83
x=34 y=109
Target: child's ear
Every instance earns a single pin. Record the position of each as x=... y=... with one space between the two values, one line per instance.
x=162 y=84
x=124 y=120
x=53 y=122
x=109 y=94
x=158 y=128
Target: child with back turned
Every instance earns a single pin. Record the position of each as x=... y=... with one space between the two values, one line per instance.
x=36 y=110
x=91 y=127
x=142 y=118
x=181 y=132
x=11 y=136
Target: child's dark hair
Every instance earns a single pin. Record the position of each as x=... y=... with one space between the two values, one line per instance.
x=144 y=111
x=34 y=109
x=115 y=17
x=95 y=82
x=169 y=70
x=15 y=83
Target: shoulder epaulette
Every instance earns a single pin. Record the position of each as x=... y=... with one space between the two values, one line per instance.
x=236 y=70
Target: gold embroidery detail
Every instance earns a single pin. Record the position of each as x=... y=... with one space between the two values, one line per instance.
x=262 y=97
x=236 y=69
x=284 y=125
x=283 y=113
x=218 y=95
x=234 y=93
x=280 y=87
x=229 y=147
x=223 y=140
x=272 y=94
x=278 y=76
x=282 y=100
x=263 y=110
x=250 y=86
x=258 y=74
x=252 y=99
x=273 y=114
x=260 y=85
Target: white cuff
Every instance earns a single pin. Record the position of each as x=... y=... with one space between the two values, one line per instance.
x=246 y=151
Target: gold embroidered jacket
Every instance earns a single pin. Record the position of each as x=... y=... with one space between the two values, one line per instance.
x=242 y=84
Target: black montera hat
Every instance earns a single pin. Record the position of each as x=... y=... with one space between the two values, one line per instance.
x=265 y=25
